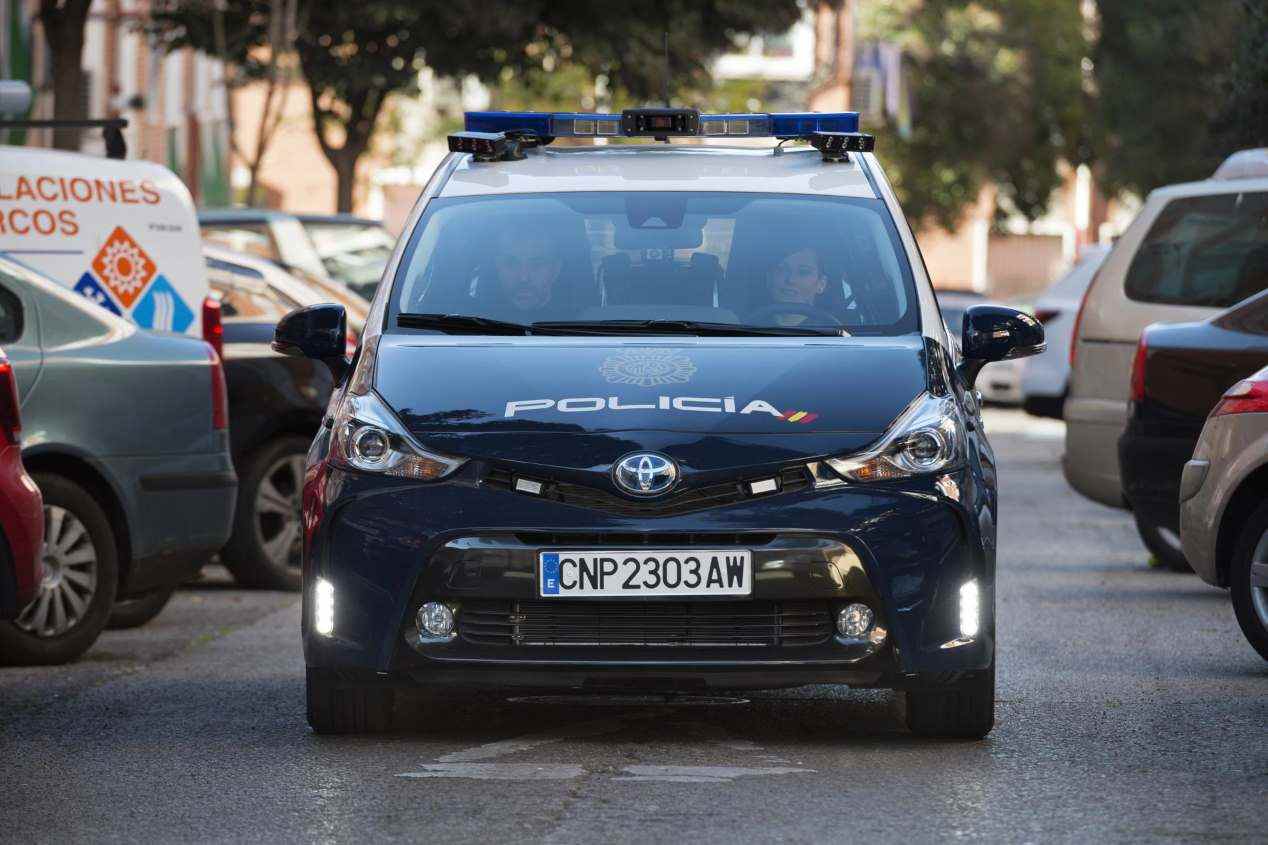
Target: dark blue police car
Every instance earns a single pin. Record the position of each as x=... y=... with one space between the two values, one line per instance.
x=661 y=416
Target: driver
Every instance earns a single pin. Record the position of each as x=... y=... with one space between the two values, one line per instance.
x=796 y=279
x=527 y=265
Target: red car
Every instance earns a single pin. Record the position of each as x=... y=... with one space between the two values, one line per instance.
x=21 y=509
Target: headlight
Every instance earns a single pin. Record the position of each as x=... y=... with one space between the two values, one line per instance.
x=926 y=438
x=368 y=437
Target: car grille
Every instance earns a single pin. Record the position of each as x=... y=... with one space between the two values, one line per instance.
x=699 y=624
x=687 y=500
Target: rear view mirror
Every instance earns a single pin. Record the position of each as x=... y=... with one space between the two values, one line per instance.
x=997 y=333
x=319 y=332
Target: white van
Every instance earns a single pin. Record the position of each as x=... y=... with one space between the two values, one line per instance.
x=1193 y=250
x=123 y=234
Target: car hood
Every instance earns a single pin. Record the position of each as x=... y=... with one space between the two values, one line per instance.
x=739 y=400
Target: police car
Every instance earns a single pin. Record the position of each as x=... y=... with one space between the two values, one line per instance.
x=663 y=415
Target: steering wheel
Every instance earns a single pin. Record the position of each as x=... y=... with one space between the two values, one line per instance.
x=814 y=315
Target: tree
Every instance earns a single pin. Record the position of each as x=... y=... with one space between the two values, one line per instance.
x=355 y=56
x=1243 y=120
x=996 y=99
x=63 y=22
x=1161 y=69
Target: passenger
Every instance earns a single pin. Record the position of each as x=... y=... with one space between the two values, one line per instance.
x=798 y=278
x=527 y=264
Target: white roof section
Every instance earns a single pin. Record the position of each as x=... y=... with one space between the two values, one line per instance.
x=1244 y=164
x=663 y=167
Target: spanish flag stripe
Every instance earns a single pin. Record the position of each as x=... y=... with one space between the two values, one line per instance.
x=796 y=417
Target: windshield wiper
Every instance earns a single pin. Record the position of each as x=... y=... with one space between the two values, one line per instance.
x=678 y=327
x=460 y=323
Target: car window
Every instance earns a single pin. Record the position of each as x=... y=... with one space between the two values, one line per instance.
x=755 y=259
x=1250 y=317
x=249 y=305
x=353 y=253
x=1203 y=251
x=251 y=238
x=10 y=311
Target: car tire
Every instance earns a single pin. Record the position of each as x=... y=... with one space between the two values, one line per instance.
x=138 y=610
x=336 y=707
x=1165 y=549
x=965 y=711
x=1250 y=602
x=269 y=497
x=81 y=563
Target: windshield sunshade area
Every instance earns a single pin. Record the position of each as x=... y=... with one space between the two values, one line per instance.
x=656 y=263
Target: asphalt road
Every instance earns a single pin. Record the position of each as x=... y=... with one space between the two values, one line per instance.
x=1129 y=708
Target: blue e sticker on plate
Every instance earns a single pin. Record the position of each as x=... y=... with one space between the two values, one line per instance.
x=550 y=574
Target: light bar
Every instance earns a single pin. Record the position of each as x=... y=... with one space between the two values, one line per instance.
x=635 y=123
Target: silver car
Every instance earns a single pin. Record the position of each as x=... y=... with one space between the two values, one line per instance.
x=1224 y=504
x=126 y=433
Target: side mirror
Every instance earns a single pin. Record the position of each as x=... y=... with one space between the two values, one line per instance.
x=319 y=332
x=996 y=333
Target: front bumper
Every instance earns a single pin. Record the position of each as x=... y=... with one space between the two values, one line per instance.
x=387 y=546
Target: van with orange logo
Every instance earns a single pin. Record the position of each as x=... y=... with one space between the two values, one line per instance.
x=123 y=234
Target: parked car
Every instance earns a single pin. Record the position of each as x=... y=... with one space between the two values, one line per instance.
x=349 y=251
x=126 y=437
x=354 y=250
x=1045 y=378
x=1178 y=375
x=21 y=508
x=276 y=405
x=1000 y=381
x=1193 y=250
x=1224 y=504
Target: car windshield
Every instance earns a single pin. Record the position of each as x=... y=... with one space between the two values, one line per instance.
x=353 y=253
x=639 y=261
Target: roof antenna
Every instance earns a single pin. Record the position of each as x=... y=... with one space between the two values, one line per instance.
x=666 y=78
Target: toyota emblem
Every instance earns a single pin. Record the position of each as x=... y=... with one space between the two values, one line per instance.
x=645 y=473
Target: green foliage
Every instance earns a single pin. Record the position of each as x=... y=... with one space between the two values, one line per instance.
x=1243 y=119
x=996 y=99
x=1162 y=70
x=355 y=55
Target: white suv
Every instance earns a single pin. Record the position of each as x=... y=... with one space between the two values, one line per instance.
x=1193 y=250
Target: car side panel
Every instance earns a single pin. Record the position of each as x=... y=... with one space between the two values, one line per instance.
x=1096 y=410
x=270 y=393
x=136 y=406
x=1235 y=445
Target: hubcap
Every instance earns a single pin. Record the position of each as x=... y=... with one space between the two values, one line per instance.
x=277 y=511
x=1259 y=595
x=70 y=576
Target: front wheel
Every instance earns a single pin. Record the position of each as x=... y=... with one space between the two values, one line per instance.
x=81 y=576
x=337 y=707
x=966 y=711
x=1163 y=544
x=1248 y=580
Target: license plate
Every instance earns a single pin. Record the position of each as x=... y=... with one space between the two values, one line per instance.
x=609 y=573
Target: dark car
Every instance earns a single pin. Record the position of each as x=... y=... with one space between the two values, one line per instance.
x=21 y=508
x=275 y=407
x=1179 y=374
x=654 y=416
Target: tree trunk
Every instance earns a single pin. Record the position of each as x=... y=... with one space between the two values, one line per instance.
x=345 y=164
x=63 y=27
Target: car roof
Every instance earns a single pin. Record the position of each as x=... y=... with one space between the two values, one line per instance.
x=268 y=272
x=661 y=167
x=341 y=219
x=241 y=215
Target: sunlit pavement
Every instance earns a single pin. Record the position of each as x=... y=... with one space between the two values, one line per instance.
x=1129 y=708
